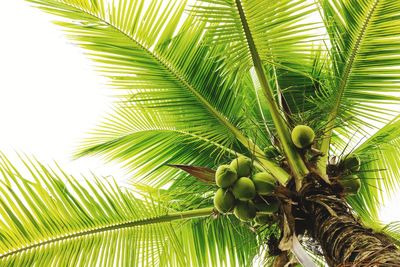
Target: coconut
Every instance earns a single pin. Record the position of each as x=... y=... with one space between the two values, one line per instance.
x=351 y=162
x=268 y=206
x=244 y=189
x=225 y=176
x=263 y=219
x=224 y=201
x=245 y=210
x=242 y=165
x=351 y=184
x=302 y=136
x=270 y=152
x=264 y=183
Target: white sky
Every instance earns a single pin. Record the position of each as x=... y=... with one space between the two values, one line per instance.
x=50 y=95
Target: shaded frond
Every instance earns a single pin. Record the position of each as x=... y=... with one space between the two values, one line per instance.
x=300 y=85
x=278 y=30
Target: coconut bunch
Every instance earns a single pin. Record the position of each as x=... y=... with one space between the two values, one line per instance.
x=344 y=172
x=248 y=192
x=348 y=179
x=245 y=191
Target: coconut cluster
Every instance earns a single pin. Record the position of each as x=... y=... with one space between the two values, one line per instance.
x=243 y=193
x=349 y=180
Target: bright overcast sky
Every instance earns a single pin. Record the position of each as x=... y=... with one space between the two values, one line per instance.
x=50 y=95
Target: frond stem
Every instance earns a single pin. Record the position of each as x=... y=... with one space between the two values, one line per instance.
x=294 y=159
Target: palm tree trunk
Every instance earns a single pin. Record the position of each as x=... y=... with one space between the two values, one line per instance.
x=344 y=241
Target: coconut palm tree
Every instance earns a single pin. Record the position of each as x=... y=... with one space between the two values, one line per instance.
x=301 y=96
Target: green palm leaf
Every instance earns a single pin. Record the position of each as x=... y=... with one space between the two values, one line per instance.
x=228 y=78
x=278 y=30
x=380 y=171
x=162 y=76
x=246 y=30
x=146 y=144
x=280 y=36
x=51 y=218
x=365 y=85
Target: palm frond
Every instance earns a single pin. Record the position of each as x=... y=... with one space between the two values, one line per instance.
x=300 y=84
x=364 y=89
x=51 y=218
x=237 y=22
x=146 y=143
x=379 y=171
x=161 y=73
x=278 y=30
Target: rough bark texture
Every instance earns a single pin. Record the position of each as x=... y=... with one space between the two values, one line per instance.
x=281 y=260
x=344 y=241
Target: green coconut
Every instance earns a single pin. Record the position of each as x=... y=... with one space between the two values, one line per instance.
x=263 y=219
x=244 y=189
x=351 y=162
x=270 y=152
x=225 y=176
x=351 y=184
x=224 y=201
x=245 y=210
x=268 y=206
x=264 y=183
x=302 y=136
x=242 y=165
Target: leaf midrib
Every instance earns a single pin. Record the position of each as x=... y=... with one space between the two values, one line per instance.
x=322 y=162
x=345 y=77
x=155 y=220
x=353 y=55
x=249 y=144
x=199 y=137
